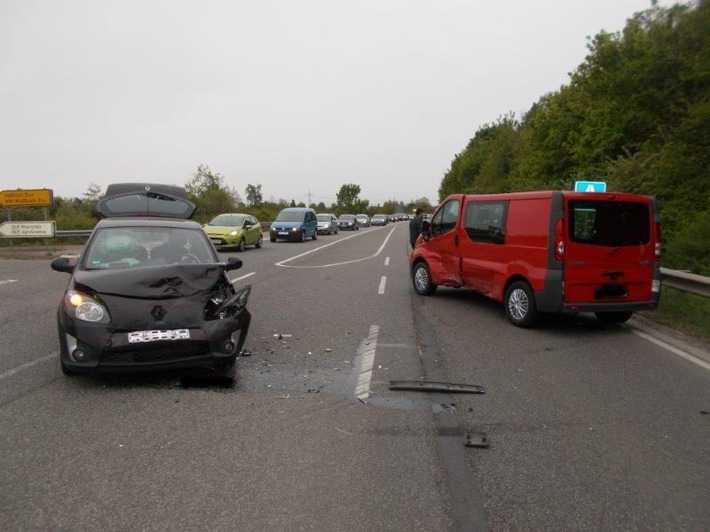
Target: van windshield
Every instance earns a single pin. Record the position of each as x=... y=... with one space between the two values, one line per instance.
x=609 y=223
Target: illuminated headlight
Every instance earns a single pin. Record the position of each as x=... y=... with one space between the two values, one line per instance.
x=656 y=286
x=294 y=229
x=85 y=308
x=234 y=233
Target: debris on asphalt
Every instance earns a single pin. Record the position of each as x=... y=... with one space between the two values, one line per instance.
x=478 y=440
x=245 y=353
x=328 y=350
x=281 y=336
x=705 y=412
x=432 y=386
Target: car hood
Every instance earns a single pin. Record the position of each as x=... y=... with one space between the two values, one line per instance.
x=220 y=230
x=287 y=225
x=155 y=282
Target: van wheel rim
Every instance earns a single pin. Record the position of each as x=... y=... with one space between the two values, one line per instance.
x=421 y=278
x=518 y=304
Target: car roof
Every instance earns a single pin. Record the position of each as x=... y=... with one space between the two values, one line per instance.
x=297 y=209
x=148 y=222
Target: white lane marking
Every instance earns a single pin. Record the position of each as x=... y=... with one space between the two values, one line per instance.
x=387 y=261
x=672 y=349
x=366 y=361
x=8 y=281
x=242 y=277
x=383 y=285
x=353 y=261
x=26 y=365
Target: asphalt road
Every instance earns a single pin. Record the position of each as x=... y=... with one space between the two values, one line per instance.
x=590 y=428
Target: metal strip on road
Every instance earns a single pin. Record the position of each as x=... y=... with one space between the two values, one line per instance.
x=387 y=261
x=8 y=281
x=282 y=264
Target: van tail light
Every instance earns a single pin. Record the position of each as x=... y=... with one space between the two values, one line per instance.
x=659 y=246
x=559 y=241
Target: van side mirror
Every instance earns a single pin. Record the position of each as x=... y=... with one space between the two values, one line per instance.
x=426 y=230
x=233 y=263
x=64 y=264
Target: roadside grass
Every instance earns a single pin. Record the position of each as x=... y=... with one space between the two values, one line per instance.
x=685 y=312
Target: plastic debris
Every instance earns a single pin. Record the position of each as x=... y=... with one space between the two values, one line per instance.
x=477 y=440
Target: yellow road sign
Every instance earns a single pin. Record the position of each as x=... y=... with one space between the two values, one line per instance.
x=36 y=197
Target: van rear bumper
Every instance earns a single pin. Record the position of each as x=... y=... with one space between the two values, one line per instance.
x=607 y=306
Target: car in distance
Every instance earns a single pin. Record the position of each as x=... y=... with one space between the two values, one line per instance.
x=399 y=216
x=348 y=222
x=294 y=224
x=545 y=252
x=234 y=230
x=363 y=220
x=148 y=291
x=327 y=224
x=379 y=219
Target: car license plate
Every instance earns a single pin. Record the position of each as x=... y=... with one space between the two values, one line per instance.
x=283 y=233
x=216 y=240
x=142 y=337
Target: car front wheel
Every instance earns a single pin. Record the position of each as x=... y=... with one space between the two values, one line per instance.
x=421 y=278
x=520 y=304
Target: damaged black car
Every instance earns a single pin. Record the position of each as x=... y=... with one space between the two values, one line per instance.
x=148 y=291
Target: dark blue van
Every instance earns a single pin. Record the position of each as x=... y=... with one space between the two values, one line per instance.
x=295 y=223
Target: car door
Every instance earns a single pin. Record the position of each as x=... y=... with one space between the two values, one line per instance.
x=482 y=243
x=254 y=230
x=443 y=244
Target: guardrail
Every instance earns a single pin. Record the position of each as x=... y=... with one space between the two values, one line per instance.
x=686 y=281
x=73 y=233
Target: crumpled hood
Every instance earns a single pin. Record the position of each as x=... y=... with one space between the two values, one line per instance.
x=154 y=282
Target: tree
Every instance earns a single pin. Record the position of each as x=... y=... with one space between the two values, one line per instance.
x=254 y=195
x=93 y=192
x=293 y=203
x=348 y=197
x=209 y=193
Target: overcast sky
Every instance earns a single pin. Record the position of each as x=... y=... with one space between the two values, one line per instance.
x=292 y=94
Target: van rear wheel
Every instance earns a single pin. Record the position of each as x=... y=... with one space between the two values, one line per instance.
x=421 y=278
x=612 y=318
x=520 y=304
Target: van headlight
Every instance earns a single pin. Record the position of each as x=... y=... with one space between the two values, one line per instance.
x=85 y=308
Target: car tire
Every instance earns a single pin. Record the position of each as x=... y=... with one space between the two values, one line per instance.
x=315 y=235
x=303 y=236
x=613 y=318
x=272 y=239
x=421 y=279
x=67 y=371
x=259 y=242
x=520 y=307
x=240 y=246
x=226 y=370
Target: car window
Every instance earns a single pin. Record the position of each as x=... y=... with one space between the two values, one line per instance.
x=485 y=221
x=609 y=223
x=446 y=218
x=228 y=220
x=290 y=216
x=133 y=247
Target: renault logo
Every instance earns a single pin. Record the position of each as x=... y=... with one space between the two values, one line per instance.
x=158 y=313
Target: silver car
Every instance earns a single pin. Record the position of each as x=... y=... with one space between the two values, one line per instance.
x=363 y=220
x=327 y=224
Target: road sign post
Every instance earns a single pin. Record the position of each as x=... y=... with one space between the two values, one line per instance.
x=27 y=229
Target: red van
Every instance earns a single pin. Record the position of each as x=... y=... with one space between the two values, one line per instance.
x=540 y=252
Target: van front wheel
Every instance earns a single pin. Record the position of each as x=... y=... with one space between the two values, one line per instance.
x=421 y=278
x=520 y=304
x=612 y=318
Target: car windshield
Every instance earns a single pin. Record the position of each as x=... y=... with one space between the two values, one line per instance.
x=609 y=223
x=290 y=216
x=379 y=216
x=324 y=217
x=228 y=220
x=347 y=217
x=134 y=247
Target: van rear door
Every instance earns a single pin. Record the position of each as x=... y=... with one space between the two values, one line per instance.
x=609 y=255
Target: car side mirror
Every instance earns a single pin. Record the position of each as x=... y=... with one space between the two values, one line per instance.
x=233 y=263
x=426 y=230
x=64 y=264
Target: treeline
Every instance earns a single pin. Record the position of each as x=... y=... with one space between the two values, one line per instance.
x=635 y=113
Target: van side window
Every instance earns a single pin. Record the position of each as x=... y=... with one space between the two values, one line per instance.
x=485 y=221
x=445 y=219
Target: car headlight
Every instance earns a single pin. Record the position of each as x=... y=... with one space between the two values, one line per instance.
x=294 y=229
x=234 y=233
x=85 y=308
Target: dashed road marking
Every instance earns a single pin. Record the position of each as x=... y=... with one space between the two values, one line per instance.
x=283 y=264
x=242 y=277
x=387 y=261
x=687 y=356
x=26 y=365
x=365 y=363
x=8 y=281
x=383 y=285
